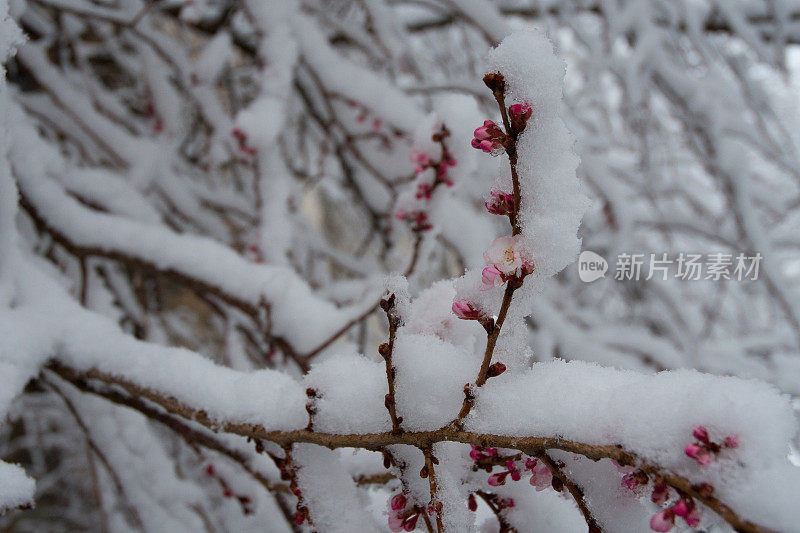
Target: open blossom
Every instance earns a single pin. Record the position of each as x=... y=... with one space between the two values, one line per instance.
x=541 y=477
x=505 y=254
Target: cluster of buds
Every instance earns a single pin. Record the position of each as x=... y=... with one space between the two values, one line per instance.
x=489 y=138
x=500 y=203
x=541 y=476
x=424 y=162
x=518 y=115
x=364 y=115
x=479 y=454
x=227 y=491
x=301 y=514
x=150 y=112
x=419 y=219
x=499 y=478
x=425 y=186
x=685 y=507
x=241 y=139
x=402 y=517
x=705 y=450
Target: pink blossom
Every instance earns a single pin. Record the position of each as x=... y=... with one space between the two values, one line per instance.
x=732 y=441
x=499 y=202
x=491 y=278
x=411 y=523
x=505 y=254
x=541 y=481
x=542 y=478
x=662 y=521
x=465 y=310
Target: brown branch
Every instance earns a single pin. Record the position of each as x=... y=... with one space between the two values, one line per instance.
x=421 y=439
x=386 y=349
x=496 y=84
x=138 y=264
x=93 y=446
x=577 y=492
x=429 y=470
x=491 y=501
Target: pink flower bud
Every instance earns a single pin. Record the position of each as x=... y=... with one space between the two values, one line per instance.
x=516 y=475
x=476 y=143
x=630 y=481
x=499 y=202
x=491 y=278
x=482 y=133
x=662 y=521
x=299 y=518
x=520 y=111
x=682 y=507
x=398 y=502
x=472 y=503
x=487 y=146
x=705 y=458
x=395 y=522
x=701 y=434
x=660 y=494
x=693 y=450
x=692 y=517
x=465 y=310
x=495 y=480
x=411 y=523
x=732 y=441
